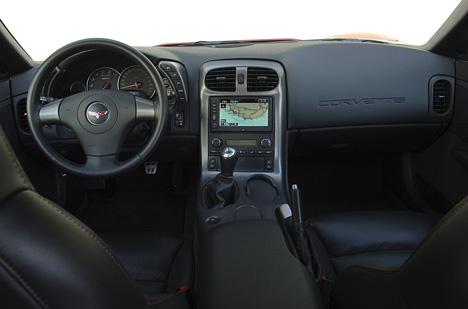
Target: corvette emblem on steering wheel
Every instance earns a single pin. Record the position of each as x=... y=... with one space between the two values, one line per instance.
x=97 y=113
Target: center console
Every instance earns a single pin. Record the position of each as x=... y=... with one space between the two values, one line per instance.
x=242 y=107
x=243 y=258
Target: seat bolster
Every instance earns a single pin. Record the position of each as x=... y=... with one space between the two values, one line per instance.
x=167 y=301
x=381 y=258
x=13 y=178
x=149 y=257
x=181 y=272
x=362 y=287
x=371 y=231
x=436 y=274
x=57 y=260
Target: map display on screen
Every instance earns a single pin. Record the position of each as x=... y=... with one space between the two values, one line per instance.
x=236 y=113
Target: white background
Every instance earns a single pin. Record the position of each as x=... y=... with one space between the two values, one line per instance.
x=44 y=26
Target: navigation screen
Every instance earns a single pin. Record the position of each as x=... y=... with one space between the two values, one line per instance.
x=244 y=113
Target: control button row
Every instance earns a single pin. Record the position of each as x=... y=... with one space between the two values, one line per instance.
x=214 y=115
x=174 y=74
x=255 y=151
x=212 y=163
x=269 y=164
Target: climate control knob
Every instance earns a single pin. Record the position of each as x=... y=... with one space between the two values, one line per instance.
x=216 y=142
x=265 y=143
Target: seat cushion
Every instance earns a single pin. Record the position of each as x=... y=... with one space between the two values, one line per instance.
x=369 y=237
x=159 y=262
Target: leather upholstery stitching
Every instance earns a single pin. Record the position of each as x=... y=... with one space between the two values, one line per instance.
x=368 y=252
x=165 y=301
x=15 y=274
x=449 y=216
x=374 y=269
x=93 y=237
x=15 y=162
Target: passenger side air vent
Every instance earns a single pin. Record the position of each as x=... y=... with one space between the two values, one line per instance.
x=221 y=79
x=261 y=79
x=441 y=96
x=23 y=116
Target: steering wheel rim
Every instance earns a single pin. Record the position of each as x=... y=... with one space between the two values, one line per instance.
x=101 y=162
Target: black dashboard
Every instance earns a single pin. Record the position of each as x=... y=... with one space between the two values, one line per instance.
x=329 y=84
x=337 y=96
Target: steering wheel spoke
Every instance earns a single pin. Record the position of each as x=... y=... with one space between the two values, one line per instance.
x=95 y=164
x=145 y=109
x=49 y=114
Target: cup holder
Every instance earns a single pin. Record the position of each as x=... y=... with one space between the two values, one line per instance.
x=261 y=189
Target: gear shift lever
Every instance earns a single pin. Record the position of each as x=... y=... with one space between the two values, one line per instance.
x=221 y=191
x=228 y=161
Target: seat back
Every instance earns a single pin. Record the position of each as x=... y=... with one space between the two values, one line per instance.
x=48 y=258
x=436 y=274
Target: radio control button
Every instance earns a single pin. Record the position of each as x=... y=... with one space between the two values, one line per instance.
x=216 y=142
x=265 y=143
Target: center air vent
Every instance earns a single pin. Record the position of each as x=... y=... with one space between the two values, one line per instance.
x=221 y=79
x=441 y=96
x=261 y=79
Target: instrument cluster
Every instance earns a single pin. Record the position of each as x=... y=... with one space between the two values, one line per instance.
x=133 y=79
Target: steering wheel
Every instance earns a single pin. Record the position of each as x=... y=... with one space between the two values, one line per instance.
x=101 y=119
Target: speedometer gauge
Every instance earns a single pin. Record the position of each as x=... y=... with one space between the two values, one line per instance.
x=135 y=79
x=103 y=78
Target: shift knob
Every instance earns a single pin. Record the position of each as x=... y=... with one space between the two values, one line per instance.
x=228 y=161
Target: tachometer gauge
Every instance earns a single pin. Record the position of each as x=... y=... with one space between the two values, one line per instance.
x=103 y=78
x=135 y=79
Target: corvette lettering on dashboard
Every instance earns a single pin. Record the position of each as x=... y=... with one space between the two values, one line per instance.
x=367 y=101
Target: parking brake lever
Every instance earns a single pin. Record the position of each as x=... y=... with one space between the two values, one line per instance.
x=298 y=236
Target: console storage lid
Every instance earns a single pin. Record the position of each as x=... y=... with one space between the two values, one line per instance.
x=246 y=264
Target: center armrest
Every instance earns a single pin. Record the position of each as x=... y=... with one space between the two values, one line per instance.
x=246 y=264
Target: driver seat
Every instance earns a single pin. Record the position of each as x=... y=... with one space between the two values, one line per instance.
x=49 y=259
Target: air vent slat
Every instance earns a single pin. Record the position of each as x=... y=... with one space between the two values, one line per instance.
x=441 y=97
x=261 y=79
x=23 y=116
x=221 y=79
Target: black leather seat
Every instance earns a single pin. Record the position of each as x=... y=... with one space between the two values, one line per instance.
x=159 y=262
x=366 y=237
x=49 y=259
x=393 y=259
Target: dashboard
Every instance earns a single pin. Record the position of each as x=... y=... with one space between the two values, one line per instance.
x=331 y=96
